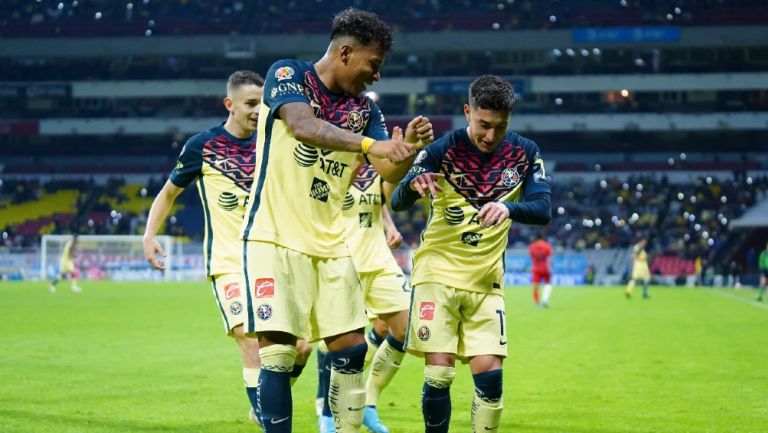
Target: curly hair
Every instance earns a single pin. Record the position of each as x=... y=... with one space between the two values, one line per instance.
x=242 y=78
x=365 y=27
x=492 y=93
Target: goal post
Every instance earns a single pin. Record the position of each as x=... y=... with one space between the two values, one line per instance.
x=113 y=257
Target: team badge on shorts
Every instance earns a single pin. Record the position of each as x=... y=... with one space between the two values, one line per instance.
x=264 y=312
x=236 y=308
x=424 y=333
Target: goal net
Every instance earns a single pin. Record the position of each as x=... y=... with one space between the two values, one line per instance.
x=107 y=257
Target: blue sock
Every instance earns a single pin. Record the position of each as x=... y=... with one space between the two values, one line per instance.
x=375 y=338
x=297 y=369
x=275 y=401
x=436 y=408
x=397 y=345
x=324 y=381
x=488 y=385
x=253 y=398
x=321 y=392
x=349 y=361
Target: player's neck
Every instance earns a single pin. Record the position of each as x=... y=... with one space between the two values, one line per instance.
x=324 y=68
x=231 y=126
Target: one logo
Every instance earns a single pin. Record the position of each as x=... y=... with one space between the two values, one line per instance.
x=427 y=311
x=179 y=165
x=273 y=93
x=503 y=342
x=539 y=175
x=278 y=421
x=420 y=157
x=355 y=121
x=470 y=238
x=365 y=220
x=510 y=177
x=231 y=291
x=264 y=288
x=424 y=333
x=236 y=308
x=227 y=200
x=284 y=73
x=491 y=428
x=429 y=424
x=454 y=215
x=305 y=155
x=264 y=312
x=320 y=190
x=355 y=409
x=349 y=201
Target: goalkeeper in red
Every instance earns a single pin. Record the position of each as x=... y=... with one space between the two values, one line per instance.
x=541 y=270
x=481 y=179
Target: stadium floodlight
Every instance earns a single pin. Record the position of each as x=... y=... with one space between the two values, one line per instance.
x=112 y=257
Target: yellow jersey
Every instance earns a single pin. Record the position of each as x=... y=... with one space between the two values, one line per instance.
x=299 y=190
x=222 y=167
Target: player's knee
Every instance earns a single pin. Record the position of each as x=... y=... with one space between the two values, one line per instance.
x=439 y=376
x=303 y=351
x=488 y=385
x=278 y=357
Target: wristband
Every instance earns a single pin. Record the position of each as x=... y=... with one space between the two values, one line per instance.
x=366 y=144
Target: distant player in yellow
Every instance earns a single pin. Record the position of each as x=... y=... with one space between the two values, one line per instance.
x=313 y=123
x=221 y=161
x=480 y=179
x=640 y=271
x=67 y=266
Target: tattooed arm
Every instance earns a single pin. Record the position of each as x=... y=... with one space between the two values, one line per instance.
x=316 y=132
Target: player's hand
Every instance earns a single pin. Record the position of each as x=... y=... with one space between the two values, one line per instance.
x=396 y=151
x=419 y=132
x=394 y=238
x=426 y=183
x=492 y=214
x=152 y=249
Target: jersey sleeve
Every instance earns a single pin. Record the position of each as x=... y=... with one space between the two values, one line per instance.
x=536 y=177
x=284 y=83
x=376 y=127
x=190 y=163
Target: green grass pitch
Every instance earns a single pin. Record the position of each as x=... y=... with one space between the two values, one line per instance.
x=152 y=357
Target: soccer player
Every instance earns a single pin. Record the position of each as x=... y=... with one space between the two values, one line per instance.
x=541 y=259
x=762 y=263
x=480 y=179
x=640 y=270
x=67 y=266
x=371 y=234
x=312 y=124
x=221 y=160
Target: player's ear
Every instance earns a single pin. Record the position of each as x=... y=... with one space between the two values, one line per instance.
x=228 y=103
x=345 y=51
x=468 y=113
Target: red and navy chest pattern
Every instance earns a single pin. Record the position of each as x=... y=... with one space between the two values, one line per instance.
x=233 y=161
x=350 y=113
x=481 y=179
x=366 y=175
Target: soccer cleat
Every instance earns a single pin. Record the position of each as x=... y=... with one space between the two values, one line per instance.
x=372 y=421
x=254 y=419
x=326 y=424
x=52 y=288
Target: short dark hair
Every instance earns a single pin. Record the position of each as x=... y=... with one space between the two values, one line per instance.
x=492 y=93
x=242 y=78
x=365 y=27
